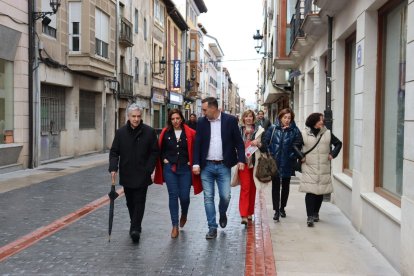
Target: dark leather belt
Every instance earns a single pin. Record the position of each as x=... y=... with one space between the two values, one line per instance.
x=215 y=161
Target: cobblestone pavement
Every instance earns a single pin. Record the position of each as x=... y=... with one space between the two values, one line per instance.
x=83 y=248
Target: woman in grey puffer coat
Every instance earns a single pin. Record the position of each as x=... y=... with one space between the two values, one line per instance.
x=316 y=166
x=280 y=139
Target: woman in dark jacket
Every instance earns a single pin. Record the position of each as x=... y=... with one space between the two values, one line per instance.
x=280 y=139
x=176 y=143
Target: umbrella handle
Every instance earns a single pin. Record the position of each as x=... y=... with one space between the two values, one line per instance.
x=113 y=180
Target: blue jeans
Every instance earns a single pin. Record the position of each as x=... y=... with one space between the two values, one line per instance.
x=178 y=185
x=220 y=174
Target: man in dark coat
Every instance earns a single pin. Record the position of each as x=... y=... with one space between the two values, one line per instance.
x=218 y=147
x=262 y=121
x=134 y=151
x=192 y=123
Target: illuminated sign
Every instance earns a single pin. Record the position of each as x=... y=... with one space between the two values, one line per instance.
x=176 y=81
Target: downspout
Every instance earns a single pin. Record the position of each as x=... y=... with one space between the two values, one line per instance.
x=328 y=110
x=116 y=64
x=30 y=73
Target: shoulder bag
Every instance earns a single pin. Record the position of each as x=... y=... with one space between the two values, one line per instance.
x=297 y=166
x=266 y=165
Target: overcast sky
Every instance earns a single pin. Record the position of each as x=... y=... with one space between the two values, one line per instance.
x=233 y=23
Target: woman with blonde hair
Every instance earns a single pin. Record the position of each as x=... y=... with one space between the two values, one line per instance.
x=251 y=135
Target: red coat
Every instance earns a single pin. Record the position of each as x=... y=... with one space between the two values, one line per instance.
x=196 y=180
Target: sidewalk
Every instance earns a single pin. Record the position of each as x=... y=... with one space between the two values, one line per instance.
x=331 y=247
x=23 y=178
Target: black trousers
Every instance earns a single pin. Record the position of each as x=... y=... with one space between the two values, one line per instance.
x=313 y=204
x=135 y=201
x=276 y=198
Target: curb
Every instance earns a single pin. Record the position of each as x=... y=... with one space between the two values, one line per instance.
x=259 y=248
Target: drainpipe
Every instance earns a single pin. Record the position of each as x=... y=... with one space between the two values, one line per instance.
x=116 y=64
x=30 y=72
x=328 y=110
x=34 y=92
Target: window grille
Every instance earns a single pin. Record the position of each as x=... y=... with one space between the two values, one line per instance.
x=52 y=109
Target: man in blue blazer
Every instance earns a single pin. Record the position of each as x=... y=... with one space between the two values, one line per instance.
x=218 y=147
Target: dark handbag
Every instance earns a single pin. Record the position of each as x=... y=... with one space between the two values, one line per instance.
x=266 y=168
x=266 y=165
x=297 y=163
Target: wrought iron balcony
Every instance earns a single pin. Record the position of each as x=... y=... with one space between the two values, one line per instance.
x=126 y=86
x=125 y=35
x=296 y=31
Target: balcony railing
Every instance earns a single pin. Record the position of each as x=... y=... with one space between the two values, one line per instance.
x=296 y=21
x=311 y=8
x=126 y=86
x=125 y=35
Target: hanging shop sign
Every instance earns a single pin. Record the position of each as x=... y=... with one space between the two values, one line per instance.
x=176 y=98
x=176 y=73
x=158 y=96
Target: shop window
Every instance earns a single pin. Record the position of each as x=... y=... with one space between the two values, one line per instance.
x=6 y=98
x=349 y=104
x=392 y=43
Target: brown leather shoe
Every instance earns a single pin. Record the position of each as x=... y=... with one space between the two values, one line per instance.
x=174 y=232
x=183 y=220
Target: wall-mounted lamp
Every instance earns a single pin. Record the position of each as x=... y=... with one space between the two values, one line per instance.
x=113 y=85
x=259 y=39
x=162 y=63
x=54 y=4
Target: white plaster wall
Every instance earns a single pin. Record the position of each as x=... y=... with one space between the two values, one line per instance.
x=407 y=200
x=383 y=232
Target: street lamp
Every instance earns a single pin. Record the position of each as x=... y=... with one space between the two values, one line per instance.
x=259 y=39
x=162 y=63
x=54 y=4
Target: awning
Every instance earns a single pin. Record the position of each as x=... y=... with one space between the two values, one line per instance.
x=272 y=93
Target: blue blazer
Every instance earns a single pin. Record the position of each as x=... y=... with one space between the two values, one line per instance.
x=232 y=142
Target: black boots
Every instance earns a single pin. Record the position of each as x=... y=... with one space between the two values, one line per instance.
x=310 y=221
x=282 y=212
x=316 y=217
x=276 y=216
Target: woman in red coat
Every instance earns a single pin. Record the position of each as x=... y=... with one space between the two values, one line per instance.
x=174 y=167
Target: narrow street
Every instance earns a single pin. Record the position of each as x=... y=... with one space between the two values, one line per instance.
x=83 y=248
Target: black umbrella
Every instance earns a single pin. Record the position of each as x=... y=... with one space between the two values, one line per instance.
x=112 y=196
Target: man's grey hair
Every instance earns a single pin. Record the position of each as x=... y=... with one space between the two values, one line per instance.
x=133 y=107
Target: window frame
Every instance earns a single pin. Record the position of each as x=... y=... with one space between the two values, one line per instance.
x=382 y=13
x=136 y=21
x=101 y=46
x=349 y=41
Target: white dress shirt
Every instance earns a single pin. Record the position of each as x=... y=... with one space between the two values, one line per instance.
x=215 y=150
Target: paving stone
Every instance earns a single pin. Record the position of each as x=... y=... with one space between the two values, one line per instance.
x=83 y=248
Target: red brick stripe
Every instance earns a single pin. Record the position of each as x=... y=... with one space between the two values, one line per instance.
x=45 y=231
x=259 y=249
